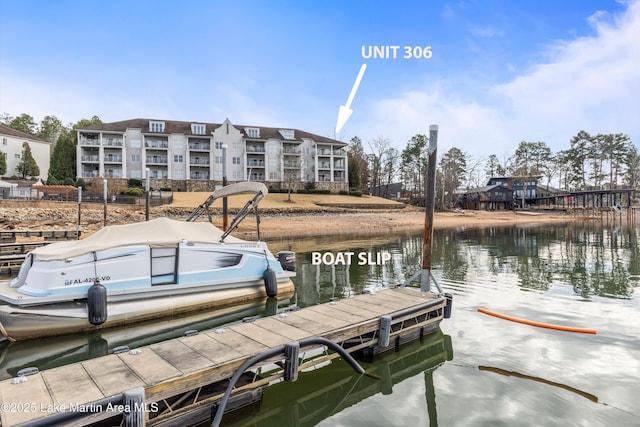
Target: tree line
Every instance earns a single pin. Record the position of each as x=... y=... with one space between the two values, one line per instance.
x=64 y=138
x=592 y=162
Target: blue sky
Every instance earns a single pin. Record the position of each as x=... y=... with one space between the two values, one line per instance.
x=501 y=71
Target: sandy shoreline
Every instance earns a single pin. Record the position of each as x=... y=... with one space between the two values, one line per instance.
x=277 y=225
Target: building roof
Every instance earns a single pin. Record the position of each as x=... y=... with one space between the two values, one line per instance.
x=6 y=130
x=176 y=126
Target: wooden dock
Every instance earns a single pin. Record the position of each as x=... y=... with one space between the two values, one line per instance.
x=180 y=380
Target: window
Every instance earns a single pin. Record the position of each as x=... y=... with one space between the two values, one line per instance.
x=177 y=158
x=218 y=160
x=135 y=158
x=178 y=174
x=156 y=126
x=136 y=143
x=236 y=160
x=197 y=129
x=236 y=175
x=287 y=133
x=253 y=132
x=274 y=175
x=17 y=156
x=219 y=145
x=4 y=141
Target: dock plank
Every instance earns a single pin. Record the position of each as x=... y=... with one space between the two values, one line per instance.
x=216 y=351
x=302 y=322
x=333 y=311
x=262 y=335
x=65 y=381
x=241 y=343
x=180 y=356
x=111 y=375
x=322 y=318
x=279 y=324
x=26 y=401
x=149 y=366
x=338 y=306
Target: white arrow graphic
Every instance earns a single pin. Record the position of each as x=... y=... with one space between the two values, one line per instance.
x=345 y=111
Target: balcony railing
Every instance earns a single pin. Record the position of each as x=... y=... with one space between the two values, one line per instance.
x=254 y=149
x=259 y=163
x=157 y=160
x=291 y=151
x=87 y=141
x=155 y=174
x=199 y=146
x=292 y=165
x=201 y=175
x=112 y=142
x=90 y=158
x=199 y=161
x=113 y=159
x=156 y=144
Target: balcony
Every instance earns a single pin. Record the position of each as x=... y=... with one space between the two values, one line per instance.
x=199 y=161
x=294 y=151
x=113 y=158
x=339 y=153
x=199 y=175
x=90 y=159
x=89 y=141
x=257 y=177
x=255 y=149
x=158 y=174
x=111 y=142
x=157 y=160
x=292 y=165
x=113 y=174
x=200 y=146
x=323 y=152
x=324 y=165
x=156 y=144
x=255 y=163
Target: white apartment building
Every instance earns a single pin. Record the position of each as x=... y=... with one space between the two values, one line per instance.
x=189 y=155
x=11 y=145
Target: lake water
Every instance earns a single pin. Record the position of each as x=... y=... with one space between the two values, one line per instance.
x=481 y=370
x=477 y=370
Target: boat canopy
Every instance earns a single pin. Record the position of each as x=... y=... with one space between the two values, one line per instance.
x=160 y=232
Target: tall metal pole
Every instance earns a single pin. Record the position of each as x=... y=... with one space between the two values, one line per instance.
x=425 y=279
x=225 y=220
x=146 y=192
x=104 y=196
x=79 y=210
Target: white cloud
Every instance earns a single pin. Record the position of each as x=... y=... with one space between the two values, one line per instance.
x=588 y=83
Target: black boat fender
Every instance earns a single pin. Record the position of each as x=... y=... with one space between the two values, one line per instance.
x=270 y=284
x=97 y=304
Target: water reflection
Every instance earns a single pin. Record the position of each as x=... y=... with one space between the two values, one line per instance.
x=592 y=261
x=318 y=394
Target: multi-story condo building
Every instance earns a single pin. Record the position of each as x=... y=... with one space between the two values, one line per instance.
x=12 y=146
x=188 y=156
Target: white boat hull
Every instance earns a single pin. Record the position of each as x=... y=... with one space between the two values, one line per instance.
x=58 y=318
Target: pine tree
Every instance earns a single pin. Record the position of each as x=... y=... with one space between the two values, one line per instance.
x=3 y=163
x=27 y=165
